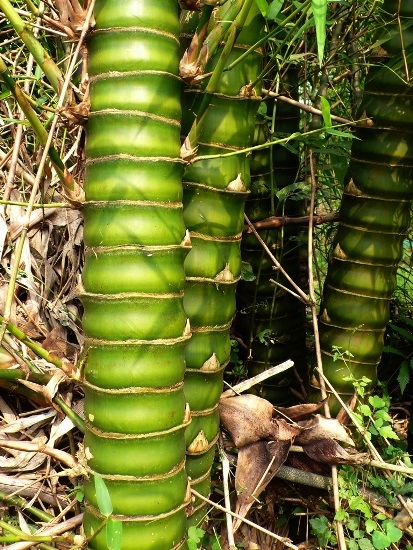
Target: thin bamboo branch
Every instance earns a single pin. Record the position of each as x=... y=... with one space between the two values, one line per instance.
x=225 y=476
x=307 y=108
x=51 y=70
x=59 y=529
x=40 y=351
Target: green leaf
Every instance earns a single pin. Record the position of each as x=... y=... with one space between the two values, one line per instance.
x=38 y=72
x=334 y=132
x=370 y=525
x=325 y=109
x=377 y=402
x=358 y=503
x=79 y=493
x=353 y=523
x=195 y=535
x=394 y=351
x=402 y=331
x=380 y=540
x=387 y=431
x=393 y=532
x=262 y=6
x=352 y=545
x=341 y=515
x=365 y=544
x=321 y=529
x=382 y=413
x=403 y=377
x=114 y=534
x=406 y=488
x=320 y=16
x=274 y=9
x=365 y=410
x=247 y=273
x=102 y=496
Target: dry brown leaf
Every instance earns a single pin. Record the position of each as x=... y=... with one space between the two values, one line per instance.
x=328 y=451
x=257 y=465
x=77 y=113
x=48 y=391
x=321 y=427
x=299 y=412
x=6 y=360
x=58 y=346
x=283 y=431
x=343 y=416
x=20 y=424
x=22 y=461
x=72 y=16
x=247 y=418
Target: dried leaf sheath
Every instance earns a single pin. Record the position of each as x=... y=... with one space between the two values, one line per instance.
x=374 y=216
x=133 y=280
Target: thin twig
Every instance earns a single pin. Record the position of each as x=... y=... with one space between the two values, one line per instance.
x=283 y=540
x=60 y=456
x=59 y=529
x=340 y=530
x=275 y=222
x=225 y=476
x=303 y=295
x=247 y=384
x=307 y=108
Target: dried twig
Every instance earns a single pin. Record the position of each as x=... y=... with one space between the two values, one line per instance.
x=283 y=540
x=247 y=384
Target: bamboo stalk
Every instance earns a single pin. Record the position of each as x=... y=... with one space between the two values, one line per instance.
x=133 y=280
x=374 y=218
x=219 y=117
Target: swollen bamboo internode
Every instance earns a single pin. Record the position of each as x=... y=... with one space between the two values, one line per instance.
x=133 y=280
x=218 y=118
x=374 y=216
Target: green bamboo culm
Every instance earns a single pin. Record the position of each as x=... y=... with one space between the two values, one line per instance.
x=374 y=214
x=219 y=114
x=270 y=320
x=133 y=280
